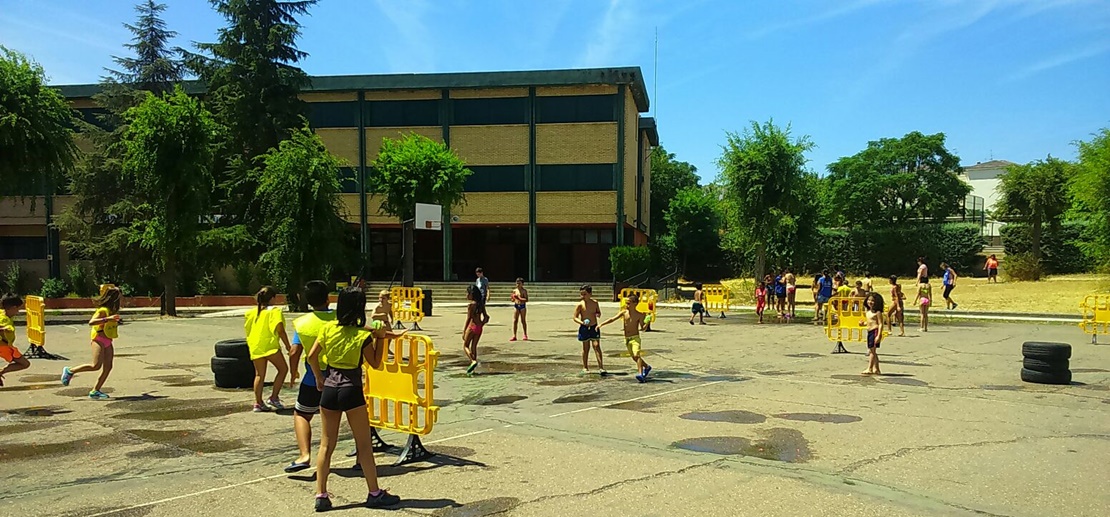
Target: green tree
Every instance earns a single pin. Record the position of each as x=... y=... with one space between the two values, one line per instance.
x=765 y=185
x=1035 y=193
x=896 y=180
x=302 y=222
x=167 y=153
x=1090 y=188
x=35 y=134
x=416 y=169
x=253 y=85
x=668 y=176
x=692 y=220
x=154 y=67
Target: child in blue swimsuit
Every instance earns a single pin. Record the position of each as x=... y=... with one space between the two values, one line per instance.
x=520 y=308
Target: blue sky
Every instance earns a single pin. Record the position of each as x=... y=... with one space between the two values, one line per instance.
x=1008 y=79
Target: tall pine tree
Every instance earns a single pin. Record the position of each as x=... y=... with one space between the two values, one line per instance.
x=153 y=68
x=253 y=85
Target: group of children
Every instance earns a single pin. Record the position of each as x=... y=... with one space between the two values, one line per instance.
x=104 y=330
x=778 y=292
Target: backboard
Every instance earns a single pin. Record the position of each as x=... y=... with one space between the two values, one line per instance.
x=428 y=217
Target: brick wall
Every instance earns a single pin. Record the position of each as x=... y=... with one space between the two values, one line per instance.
x=594 y=142
x=374 y=137
x=342 y=142
x=631 y=129
x=491 y=145
x=575 y=207
x=493 y=208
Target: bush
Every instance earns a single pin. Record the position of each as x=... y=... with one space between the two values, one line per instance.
x=1022 y=267
x=628 y=261
x=81 y=281
x=54 y=288
x=15 y=281
x=892 y=251
x=1061 y=250
x=206 y=286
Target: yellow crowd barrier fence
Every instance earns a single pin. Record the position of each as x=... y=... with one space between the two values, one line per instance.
x=408 y=306
x=846 y=320
x=1096 y=315
x=400 y=392
x=718 y=298
x=648 y=301
x=35 y=308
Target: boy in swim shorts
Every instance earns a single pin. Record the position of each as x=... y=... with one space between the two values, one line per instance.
x=697 y=309
x=9 y=306
x=586 y=315
x=634 y=321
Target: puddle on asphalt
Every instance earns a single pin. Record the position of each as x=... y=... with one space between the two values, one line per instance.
x=723 y=378
x=862 y=379
x=30 y=387
x=1000 y=387
x=497 y=401
x=1093 y=387
x=732 y=417
x=777 y=372
x=181 y=381
x=37 y=411
x=81 y=392
x=454 y=452
x=41 y=377
x=115 y=511
x=778 y=444
x=28 y=451
x=180 y=443
x=465 y=375
x=831 y=418
x=806 y=355
x=906 y=363
x=579 y=397
x=666 y=374
x=634 y=405
x=904 y=381
x=569 y=381
x=692 y=339
x=175 y=409
x=1073 y=370
x=488 y=367
x=24 y=427
x=497 y=505
x=177 y=366
x=129 y=355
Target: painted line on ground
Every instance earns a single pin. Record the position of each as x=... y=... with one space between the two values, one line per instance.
x=660 y=394
x=253 y=481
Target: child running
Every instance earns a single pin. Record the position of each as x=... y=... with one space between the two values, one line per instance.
x=519 y=298
x=586 y=315
x=265 y=328
x=476 y=319
x=697 y=309
x=874 y=305
x=949 y=284
x=925 y=298
x=305 y=330
x=346 y=343
x=10 y=305
x=760 y=299
x=634 y=321
x=897 y=306
x=105 y=329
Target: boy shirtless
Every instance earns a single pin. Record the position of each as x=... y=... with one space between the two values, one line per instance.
x=586 y=315
x=384 y=310
x=697 y=309
x=634 y=322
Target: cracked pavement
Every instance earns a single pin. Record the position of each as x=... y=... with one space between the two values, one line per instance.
x=740 y=419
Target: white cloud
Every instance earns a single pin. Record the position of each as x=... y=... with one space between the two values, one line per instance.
x=842 y=9
x=412 y=50
x=1059 y=60
x=611 y=34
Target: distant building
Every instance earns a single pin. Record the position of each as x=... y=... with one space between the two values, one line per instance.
x=984 y=179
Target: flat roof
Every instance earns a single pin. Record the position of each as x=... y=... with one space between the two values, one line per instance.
x=631 y=76
x=648 y=124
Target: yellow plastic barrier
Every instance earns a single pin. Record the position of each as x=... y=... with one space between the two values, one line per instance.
x=647 y=305
x=400 y=391
x=408 y=306
x=36 y=327
x=717 y=298
x=845 y=320
x=1096 y=315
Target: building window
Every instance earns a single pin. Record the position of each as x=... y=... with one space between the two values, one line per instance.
x=94 y=116
x=496 y=178
x=23 y=248
x=476 y=112
x=576 y=108
x=348 y=180
x=554 y=178
x=333 y=114
x=402 y=113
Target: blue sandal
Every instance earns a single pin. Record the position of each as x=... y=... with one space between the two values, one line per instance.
x=296 y=467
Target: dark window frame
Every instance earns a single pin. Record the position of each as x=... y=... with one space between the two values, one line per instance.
x=403 y=113
x=490 y=111
x=564 y=109
x=582 y=177
x=333 y=114
x=497 y=178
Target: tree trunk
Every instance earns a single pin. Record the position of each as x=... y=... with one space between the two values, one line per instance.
x=407 y=280
x=169 y=283
x=760 y=261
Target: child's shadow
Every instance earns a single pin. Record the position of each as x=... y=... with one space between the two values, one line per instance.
x=426 y=504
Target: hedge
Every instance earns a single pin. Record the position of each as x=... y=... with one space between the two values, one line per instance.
x=1061 y=252
x=893 y=251
x=628 y=261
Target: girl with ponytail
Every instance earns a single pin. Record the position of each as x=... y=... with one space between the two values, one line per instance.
x=265 y=326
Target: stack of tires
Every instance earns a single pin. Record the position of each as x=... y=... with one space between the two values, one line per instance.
x=1046 y=363
x=232 y=365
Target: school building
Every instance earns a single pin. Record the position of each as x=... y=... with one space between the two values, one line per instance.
x=560 y=161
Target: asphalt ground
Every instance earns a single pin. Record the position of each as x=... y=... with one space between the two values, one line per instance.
x=738 y=419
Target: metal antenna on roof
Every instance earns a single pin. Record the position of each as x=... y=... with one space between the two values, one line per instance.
x=655 y=105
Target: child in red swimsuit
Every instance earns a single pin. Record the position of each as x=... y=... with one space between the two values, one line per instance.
x=760 y=299
x=476 y=319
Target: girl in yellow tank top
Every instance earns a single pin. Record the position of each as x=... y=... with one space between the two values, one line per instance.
x=265 y=327
x=105 y=329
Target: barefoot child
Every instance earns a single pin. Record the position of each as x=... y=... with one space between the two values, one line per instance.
x=949 y=284
x=105 y=328
x=586 y=315
x=346 y=343
x=305 y=330
x=897 y=306
x=520 y=308
x=383 y=312
x=265 y=328
x=476 y=319
x=874 y=305
x=9 y=306
x=634 y=322
x=760 y=299
x=925 y=297
x=791 y=289
x=698 y=308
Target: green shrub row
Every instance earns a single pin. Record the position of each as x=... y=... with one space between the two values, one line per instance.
x=894 y=251
x=1061 y=250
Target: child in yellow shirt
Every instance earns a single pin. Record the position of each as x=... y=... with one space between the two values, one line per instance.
x=265 y=328
x=105 y=329
x=10 y=305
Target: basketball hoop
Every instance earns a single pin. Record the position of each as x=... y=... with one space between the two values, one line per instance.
x=428 y=217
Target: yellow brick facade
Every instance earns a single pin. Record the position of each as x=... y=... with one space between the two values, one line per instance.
x=582 y=89
x=403 y=95
x=576 y=207
x=329 y=96
x=593 y=142
x=375 y=135
x=488 y=93
x=493 y=208
x=631 y=129
x=342 y=142
x=491 y=145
